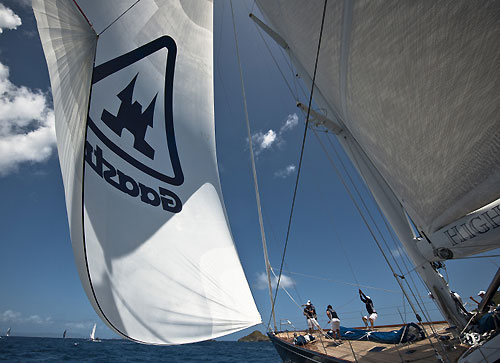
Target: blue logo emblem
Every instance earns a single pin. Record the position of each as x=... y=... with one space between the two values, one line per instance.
x=136 y=119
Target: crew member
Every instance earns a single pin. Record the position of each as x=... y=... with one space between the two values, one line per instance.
x=333 y=319
x=372 y=314
x=310 y=314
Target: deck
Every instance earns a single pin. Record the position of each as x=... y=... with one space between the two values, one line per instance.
x=366 y=351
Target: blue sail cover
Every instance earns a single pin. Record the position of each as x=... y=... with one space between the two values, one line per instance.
x=408 y=333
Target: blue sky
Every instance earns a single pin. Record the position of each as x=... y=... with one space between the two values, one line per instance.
x=329 y=251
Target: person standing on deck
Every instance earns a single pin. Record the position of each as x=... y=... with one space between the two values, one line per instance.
x=372 y=314
x=333 y=319
x=310 y=314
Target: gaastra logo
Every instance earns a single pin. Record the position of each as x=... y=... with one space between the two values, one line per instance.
x=137 y=120
x=479 y=224
x=169 y=201
x=131 y=117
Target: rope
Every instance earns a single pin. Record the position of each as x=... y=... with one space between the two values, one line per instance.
x=254 y=172
x=301 y=156
x=344 y=282
x=373 y=235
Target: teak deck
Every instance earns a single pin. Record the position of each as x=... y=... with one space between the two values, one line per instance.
x=366 y=351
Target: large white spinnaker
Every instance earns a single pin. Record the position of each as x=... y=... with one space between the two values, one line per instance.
x=133 y=94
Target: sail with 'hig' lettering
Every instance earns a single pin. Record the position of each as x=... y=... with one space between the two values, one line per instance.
x=419 y=97
x=133 y=95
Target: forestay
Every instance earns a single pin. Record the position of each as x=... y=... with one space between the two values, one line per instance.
x=416 y=83
x=133 y=97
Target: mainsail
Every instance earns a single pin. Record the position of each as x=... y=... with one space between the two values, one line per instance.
x=416 y=84
x=413 y=89
x=133 y=97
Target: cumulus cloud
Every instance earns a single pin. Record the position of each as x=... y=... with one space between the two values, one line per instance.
x=27 y=129
x=264 y=141
x=262 y=284
x=37 y=319
x=286 y=172
x=10 y=316
x=290 y=123
x=8 y=19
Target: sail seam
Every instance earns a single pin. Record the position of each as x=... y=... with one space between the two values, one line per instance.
x=114 y=21
x=344 y=52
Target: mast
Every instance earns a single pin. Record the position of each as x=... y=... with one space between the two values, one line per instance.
x=254 y=173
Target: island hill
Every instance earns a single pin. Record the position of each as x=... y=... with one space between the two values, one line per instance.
x=256 y=336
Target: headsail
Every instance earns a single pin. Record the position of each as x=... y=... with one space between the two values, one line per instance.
x=417 y=86
x=133 y=96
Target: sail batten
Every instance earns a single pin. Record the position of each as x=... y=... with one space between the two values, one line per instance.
x=422 y=94
x=136 y=141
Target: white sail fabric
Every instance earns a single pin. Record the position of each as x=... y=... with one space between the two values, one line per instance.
x=417 y=85
x=92 y=333
x=155 y=253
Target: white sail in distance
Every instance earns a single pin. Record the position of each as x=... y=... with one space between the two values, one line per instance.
x=133 y=95
x=92 y=333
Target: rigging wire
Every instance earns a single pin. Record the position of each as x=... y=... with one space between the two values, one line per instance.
x=274 y=240
x=301 y=156
x=426 y=315
x=254 y=172
x=373 y=235
x=344 y=282
x=294 y=95
x=422 y=306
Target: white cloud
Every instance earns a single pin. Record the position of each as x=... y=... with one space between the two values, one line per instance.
x=290 y=123
x=263 y=141
x=262 y=283
x=37 y=319
x=286 y=172
x=27 y=129
x=8 y=19
x=11 y=316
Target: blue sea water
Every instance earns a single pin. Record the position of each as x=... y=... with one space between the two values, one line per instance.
x=27 y=349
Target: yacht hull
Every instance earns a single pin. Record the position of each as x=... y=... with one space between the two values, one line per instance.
x=292 y=353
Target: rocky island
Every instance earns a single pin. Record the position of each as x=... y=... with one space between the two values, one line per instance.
x=256 y=336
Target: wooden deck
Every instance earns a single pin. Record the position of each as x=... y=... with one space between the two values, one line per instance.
x=366 y=351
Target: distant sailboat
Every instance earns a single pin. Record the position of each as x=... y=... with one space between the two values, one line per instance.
x=92 y=335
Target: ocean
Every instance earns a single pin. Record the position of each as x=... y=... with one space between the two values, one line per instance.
x=27 y=349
